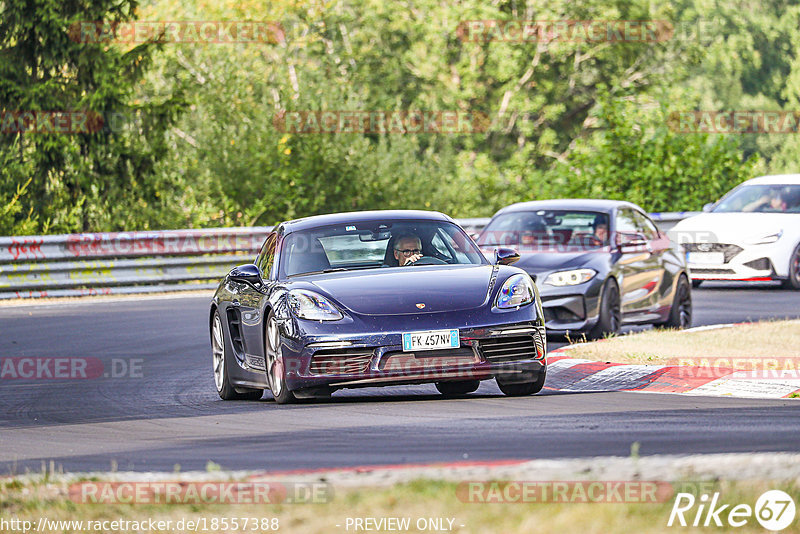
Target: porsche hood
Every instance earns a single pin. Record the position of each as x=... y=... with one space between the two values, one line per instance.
x=408 y=290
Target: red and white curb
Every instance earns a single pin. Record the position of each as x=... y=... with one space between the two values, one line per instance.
x=579 y=375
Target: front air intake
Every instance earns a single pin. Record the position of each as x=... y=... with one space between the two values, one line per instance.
x=340 y=361
x=510 y=348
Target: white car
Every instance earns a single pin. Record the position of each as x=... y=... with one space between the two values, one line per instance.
x=750 y=234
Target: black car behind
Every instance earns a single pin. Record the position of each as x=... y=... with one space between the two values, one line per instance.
x=599 y=264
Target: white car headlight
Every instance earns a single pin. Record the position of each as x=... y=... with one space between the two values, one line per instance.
x=312 y=306
x=765 y=239
x=516 y=291
x=570 y=278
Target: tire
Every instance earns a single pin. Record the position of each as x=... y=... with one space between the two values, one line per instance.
x=793 y=282
x=696 y=283
x=680 y=313
x=522 y=389
x=455 y=389
x=220 y=356
x=276 y=370
x=610 y=319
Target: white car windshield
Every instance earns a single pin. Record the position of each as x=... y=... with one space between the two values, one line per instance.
x=761 y=199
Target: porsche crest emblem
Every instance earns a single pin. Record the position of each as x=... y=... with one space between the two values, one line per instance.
x=420 y=305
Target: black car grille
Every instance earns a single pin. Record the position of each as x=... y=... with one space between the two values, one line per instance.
x=761 y=264
x=512 y=348
x=340 y=361
x=426 y=359
x=729 y=251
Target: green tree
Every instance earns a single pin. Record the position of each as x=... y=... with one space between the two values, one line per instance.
x=101 y=179
x=636 y=156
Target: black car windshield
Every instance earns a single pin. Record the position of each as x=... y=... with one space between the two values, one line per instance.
x=761 y=198
x=376 y=244
x=547 y=230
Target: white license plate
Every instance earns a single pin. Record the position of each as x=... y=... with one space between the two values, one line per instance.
x=706 y=258
x=431 y=340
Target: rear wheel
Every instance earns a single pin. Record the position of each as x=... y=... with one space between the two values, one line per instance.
x=454 y=389
x=276 y=369
x=696 y=283
x=219 y=358
x=522 y=389
x=793 y=282
x=680 y=313
x=610 y=318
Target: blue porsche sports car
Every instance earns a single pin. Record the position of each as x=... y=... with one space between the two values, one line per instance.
x=373 y=299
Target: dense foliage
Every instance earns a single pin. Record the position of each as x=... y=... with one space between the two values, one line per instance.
x=202 y=148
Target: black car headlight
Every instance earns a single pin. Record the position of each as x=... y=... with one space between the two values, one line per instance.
x=312 y=306
x=516 y=291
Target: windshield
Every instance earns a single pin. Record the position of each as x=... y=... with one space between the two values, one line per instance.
x=376 y=244
x=761 y=198
x=547 y=230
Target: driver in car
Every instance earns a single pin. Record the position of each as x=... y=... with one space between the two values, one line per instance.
x=774 y=201
x=601 y=229
x=407 y=249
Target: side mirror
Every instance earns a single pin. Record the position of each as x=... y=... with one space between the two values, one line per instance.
x=505 y=256
x=627 y=241
x=248 y=273
x=708 y=207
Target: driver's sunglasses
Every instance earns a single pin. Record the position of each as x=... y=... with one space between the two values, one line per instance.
x=409 y=251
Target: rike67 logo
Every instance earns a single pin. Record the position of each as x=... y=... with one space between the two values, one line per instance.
x=774 y=510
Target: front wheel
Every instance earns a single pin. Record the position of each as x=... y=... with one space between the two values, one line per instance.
x=276 y=369
x=793 y=282
x=219 y=359
x=680 y=313
x=522 y=389
x=610 y=318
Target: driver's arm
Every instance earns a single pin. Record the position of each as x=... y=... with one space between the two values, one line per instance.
x=754 y=205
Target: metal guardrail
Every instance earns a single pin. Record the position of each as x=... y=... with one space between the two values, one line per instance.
x=144 y=262
x=665 y=221
x=122 y=262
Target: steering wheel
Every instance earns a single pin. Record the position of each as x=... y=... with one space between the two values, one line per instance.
x=429 y=260
x=586 y=240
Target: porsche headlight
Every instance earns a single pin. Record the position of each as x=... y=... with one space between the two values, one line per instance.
x=765 y=239
x=570 y=278
x=516 y=291
x=312 y=306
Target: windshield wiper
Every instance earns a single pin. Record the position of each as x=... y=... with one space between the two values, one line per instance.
x=334 y=270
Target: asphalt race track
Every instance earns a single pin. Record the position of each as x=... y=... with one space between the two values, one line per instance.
x=168 y=413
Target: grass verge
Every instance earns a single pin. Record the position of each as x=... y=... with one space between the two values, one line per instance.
x=416 y=500
x=775 y=342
